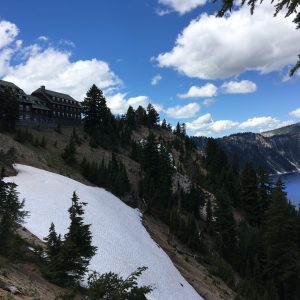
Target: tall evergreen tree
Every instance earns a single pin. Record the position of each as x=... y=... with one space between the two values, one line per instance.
x=152 y=116
x=280 y=239
x=77 y=249
x=249 y=194
x=12 y=214
x=96 y=113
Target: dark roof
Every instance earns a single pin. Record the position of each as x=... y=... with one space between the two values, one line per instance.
x=54 y=94
x=8 y=84
x=37 y=103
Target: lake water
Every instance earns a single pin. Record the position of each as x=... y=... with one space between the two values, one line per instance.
x=292 y=184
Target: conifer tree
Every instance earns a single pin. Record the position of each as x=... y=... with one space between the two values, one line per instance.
x=152 y=116
x=12 y=214
x=249 y=194
x=54 y=261
x=280 y=239
x=96 y=113
x=130 y=118
x=77 y=249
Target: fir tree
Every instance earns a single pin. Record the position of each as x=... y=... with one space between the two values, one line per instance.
x=249 y=194
x=280 y=239
x=152 y=116
x=12 y=214
x=130 y=118
x=97 y=116
x=77 y=249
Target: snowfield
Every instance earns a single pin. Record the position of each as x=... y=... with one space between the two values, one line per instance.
x=123 y=242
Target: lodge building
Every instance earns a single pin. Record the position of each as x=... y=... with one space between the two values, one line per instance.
x=44 y=108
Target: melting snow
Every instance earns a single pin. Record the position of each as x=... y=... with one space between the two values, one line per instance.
x=123 y=242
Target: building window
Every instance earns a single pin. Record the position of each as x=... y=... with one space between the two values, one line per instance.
x=20 y=107
x=27 y=108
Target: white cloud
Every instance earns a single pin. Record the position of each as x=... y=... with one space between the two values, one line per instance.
x=135 y=102
x=68 y=43
x=208 y=101
x=201 y=123
x=51 y=67
x=263 y=123
x=156 y=79
x=43 y=38
x=54 y=69
x=208 y=90
x=180 y=6
x=295 y=113
x=8 y=32
x=239 y=87
x=186 y=111
x=205 y=125
x=222 y=125
x=118 y=103
x=212 y=48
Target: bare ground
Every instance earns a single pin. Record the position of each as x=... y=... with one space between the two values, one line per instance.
x=208 y=286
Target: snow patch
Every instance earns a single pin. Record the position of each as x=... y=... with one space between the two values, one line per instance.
x=123 y=242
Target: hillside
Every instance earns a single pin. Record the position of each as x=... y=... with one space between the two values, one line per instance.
x=122 y=245
x=49 y=158
x=277 y=150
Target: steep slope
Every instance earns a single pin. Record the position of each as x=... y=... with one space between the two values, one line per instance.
x=277 y=150
x=123 y=243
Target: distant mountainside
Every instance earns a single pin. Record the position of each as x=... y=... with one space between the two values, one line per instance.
x=278 y=150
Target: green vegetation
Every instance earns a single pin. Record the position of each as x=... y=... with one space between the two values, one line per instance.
x=113 y=286
x=67 y=259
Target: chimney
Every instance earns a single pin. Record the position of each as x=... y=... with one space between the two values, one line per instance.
x=43 y=88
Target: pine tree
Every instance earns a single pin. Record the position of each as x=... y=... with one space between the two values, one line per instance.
x=249 y=194
x=280 y=239
x=12 y=214
x=130 y=118
x=54 y=261
x=77 y=249
x=96 y=113
x=152 y=116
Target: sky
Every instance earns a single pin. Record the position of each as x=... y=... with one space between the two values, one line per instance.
x=218 y=75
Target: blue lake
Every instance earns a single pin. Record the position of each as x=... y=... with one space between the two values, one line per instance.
x=292 y=184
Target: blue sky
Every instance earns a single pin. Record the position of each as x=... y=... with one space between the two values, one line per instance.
x=219 y=76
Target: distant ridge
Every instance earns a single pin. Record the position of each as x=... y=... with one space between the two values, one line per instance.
x=277 y=150
x=290 y=129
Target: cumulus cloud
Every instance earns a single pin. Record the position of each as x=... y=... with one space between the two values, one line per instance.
x=239 y=87
x=54 y=69
x=208 y=90
x=119 y=103
x=257 y=122
x=295 y=113
x=180 y=6
x=222 y=125
x=208 y=101
x=45 y=65
x=206 y=126
x=186 y=111
x=8 y=33
x=156 y=79
x=214 y=48
x=43 y=38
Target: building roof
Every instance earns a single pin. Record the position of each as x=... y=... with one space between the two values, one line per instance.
x=8 y=84
x=37 y=103
x=52 y=94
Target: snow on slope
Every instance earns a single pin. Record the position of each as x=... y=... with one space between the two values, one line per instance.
x=123 y=242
